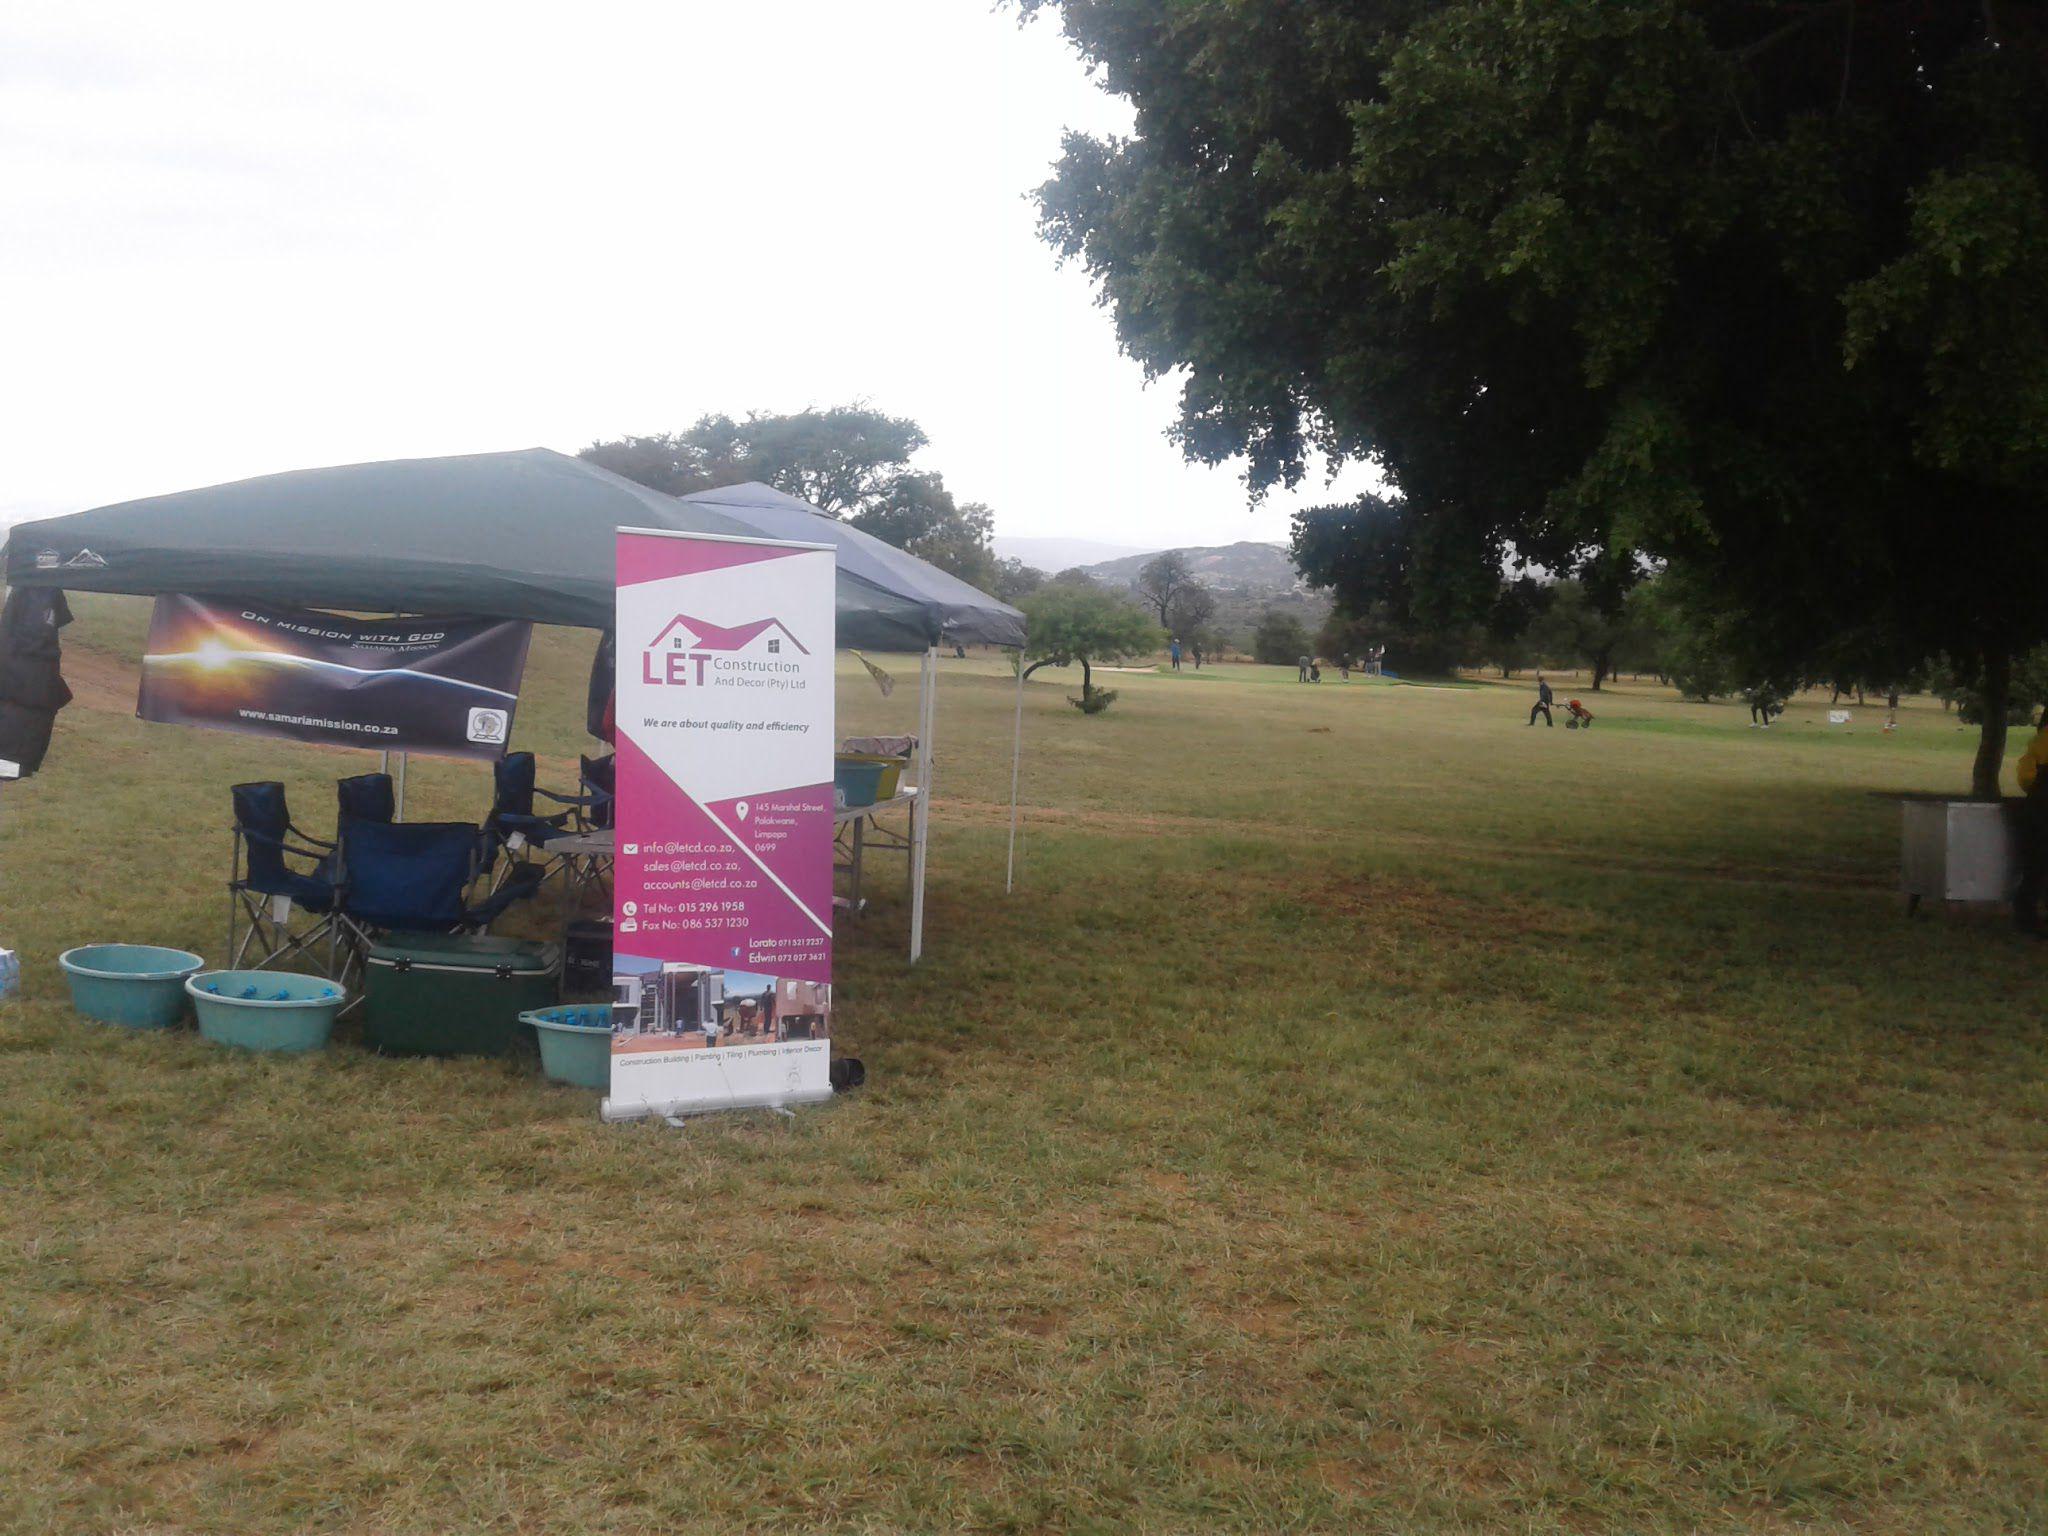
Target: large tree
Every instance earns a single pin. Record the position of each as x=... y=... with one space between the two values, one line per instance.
x=1161 y=580
x=840 y=460
x=1280 y=640
x=916 y=512
x=1012 y=580
x=850 y=460
x=1069 y=622
x=1752 y=289
x=1191 y=618
x=1506 y=630
x=1581 y=623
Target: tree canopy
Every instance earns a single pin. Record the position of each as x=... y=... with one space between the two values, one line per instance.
x=840 y=459
x=850 y=460
x=916 y=512
x=1161 y=580
x=1280 y=640
x=1074 y=622
x=1013 y=581
x=1191 y=618
x=1750 y=289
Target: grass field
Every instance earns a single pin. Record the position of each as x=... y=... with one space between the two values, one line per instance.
x=1370 y=1114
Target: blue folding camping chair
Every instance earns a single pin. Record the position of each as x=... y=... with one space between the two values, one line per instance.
x=513 y=821
x=514 y=824
x=365 y=797
x=586 y=873
x=415 y=876
x=600 y=790
x=264 y=889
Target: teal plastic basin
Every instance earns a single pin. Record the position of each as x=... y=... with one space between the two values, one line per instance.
x=265 y=1010
x=575 y=1044
x=138 y=986
x=856 y=784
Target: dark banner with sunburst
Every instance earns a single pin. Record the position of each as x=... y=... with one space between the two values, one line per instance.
x=443 y=686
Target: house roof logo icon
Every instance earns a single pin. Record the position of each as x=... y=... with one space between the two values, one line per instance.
x=705 y=636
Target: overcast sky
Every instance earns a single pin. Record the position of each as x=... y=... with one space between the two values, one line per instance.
x=244 y=238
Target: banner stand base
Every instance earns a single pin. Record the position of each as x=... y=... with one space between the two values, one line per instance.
x=616 y=1114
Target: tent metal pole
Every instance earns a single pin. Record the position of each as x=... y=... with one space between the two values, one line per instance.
x=1016 y=764
x=384 y=766
x=927 y=678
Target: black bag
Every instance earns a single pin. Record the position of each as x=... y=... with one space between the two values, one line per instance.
x=597 y=707
x=32 y=686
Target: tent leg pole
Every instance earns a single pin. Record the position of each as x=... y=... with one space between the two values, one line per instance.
x=400 y=787
x=927 y=679
x=1016 y=763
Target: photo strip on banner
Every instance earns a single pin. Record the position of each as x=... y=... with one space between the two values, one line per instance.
x=722 y=897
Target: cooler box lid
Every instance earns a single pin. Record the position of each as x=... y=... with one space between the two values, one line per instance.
x=467 y=952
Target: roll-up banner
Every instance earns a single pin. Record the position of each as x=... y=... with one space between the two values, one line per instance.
x=722 y=898
x=444 y=686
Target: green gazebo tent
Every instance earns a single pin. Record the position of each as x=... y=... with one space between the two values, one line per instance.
x=520 y=535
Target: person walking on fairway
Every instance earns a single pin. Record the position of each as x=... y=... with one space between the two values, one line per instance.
x=1301 y=667
x=1542 y=704
x=1173 y=650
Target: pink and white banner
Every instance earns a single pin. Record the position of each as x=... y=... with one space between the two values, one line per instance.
x=723 y=880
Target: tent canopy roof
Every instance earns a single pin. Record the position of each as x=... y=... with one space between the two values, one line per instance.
x=522 y=535
x=959 y=611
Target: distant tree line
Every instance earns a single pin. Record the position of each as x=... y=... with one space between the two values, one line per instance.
x=1664 y=625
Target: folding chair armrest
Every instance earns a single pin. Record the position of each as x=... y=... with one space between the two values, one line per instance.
x=300 y=832
x=569 y=800
x=530 y=824
x=524 y=882
x=284 y=847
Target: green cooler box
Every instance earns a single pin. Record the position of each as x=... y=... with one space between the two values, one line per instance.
x=455 y=994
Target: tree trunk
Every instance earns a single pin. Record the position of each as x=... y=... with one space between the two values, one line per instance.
x=1601 y=671
x=1087 y=679
x=1997 y=698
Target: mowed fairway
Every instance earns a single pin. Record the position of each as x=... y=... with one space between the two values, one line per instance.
x=1369 y=1114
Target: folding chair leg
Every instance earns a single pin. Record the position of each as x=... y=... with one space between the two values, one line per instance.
x=234 y=874
x=262 y=940
x=251 y=931
x=353 y=943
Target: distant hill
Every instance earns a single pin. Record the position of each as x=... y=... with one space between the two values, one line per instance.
x=1249 y=580
x=1246 y=568
x=1055 y=555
